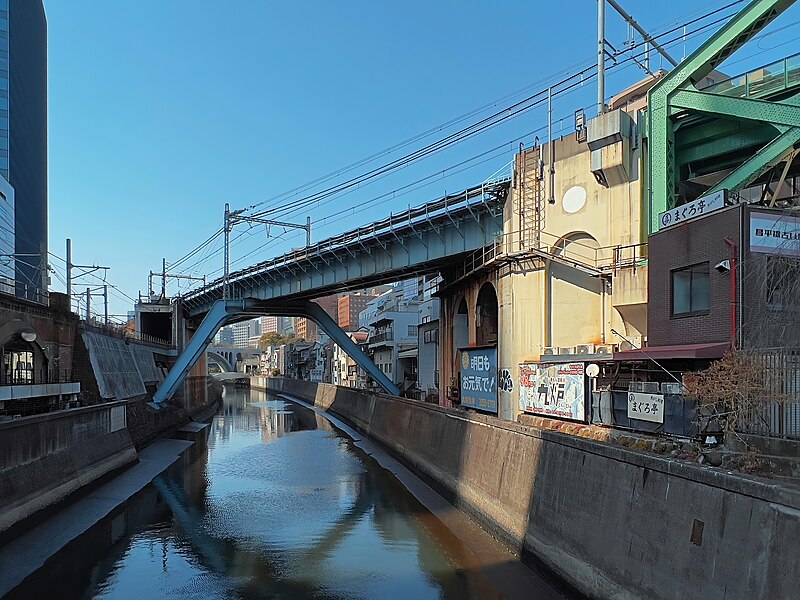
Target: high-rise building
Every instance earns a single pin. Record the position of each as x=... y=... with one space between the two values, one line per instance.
x=243 y=331
x=224 y=337
x=269 y=324
x=23 y=138
x=350 y=305
x=306 y=329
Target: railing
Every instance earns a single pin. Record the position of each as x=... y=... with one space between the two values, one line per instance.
x=149 y=339
x=384 y=336
x=776 y=77
x=27 y=377
x=443 y=206
x=599 y=260
x=123 y=332
x=782 y=377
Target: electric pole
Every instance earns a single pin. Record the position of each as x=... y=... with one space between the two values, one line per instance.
x=88 y=269
x=231 y=218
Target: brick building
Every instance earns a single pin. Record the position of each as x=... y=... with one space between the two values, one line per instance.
x=349 y=307
x=729 y=277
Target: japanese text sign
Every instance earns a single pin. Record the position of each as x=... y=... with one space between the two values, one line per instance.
x=690 y=210
x=775 y=234
x=646 y=407
x=479 y=378
x=554 y=390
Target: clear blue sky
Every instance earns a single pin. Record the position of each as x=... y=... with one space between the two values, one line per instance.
x=163 y=110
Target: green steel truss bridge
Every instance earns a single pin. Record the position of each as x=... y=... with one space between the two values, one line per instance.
x=728 y=136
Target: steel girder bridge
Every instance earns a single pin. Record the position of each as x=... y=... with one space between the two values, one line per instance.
x=419 y=241
x=730 y=135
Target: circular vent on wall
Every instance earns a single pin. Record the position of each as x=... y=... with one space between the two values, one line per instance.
x=574 y=199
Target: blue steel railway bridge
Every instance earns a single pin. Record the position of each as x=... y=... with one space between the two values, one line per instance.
x=420 y=241
x=699 y=139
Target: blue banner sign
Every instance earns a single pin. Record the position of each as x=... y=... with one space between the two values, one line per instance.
x=479 y=378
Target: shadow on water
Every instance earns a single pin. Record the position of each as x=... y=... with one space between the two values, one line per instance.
x=276 y=503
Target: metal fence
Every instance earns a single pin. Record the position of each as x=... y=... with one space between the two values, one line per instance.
x=782 y=378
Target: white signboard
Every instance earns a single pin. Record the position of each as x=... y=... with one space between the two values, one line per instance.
x=646 y=407
x=692 y=210
x=775 y=234
x=118 y=418
x=554 y=390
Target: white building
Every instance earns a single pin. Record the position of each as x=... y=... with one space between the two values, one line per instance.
x=392 y=344
x=242 y=332
x=428 y=350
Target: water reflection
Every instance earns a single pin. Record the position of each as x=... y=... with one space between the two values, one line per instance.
x=278 y=504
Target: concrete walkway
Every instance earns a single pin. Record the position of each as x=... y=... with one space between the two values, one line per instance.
x=31 y=550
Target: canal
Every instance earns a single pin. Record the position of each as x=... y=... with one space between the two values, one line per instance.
x=280 y=503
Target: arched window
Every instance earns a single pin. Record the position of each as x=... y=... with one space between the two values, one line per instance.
x=486 y=317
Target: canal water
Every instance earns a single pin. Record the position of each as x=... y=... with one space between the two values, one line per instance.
x=278 y=503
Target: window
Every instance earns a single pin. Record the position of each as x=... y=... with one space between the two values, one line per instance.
x=782 y=277
x=690 y=290
x=431 y=335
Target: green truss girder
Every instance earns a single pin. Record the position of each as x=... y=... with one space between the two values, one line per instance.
x=767 y=157
x=740 y=108
x=660 y=127
x=721 y=137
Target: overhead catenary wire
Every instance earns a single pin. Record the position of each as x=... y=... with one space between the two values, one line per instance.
x=498 y=117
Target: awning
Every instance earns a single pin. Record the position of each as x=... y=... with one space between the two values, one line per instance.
x=697 y=351
x=410 y=353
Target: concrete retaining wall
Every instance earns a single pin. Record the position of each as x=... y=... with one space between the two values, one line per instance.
x=145 y=363
x=45 y=458
x=612 y=522
x=114 y=367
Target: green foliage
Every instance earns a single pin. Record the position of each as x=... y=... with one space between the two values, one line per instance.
x=274 y=339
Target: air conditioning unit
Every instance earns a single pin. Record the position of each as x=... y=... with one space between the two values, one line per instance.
x=672 y=388
x=566 y=350
x=584 y=349
x=549 y=351
x=632 y=343
x=604 y=349
x=650 y=387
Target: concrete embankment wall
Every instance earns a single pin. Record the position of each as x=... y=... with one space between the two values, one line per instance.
x=614 y=523
x=114 y=366
x=44 y=458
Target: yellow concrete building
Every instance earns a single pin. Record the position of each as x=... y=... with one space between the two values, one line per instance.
x=571 y=267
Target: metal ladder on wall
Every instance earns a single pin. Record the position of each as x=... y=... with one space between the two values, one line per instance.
x=531 y=211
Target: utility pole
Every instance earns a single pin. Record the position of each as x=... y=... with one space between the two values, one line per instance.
x=601 y=57
x=69 y=271
x=105 y=300
x=164 y=276
x=647 y=38
x=88 y=303
x=70 y=266
x=231 y=218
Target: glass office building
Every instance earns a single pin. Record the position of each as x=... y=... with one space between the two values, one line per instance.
x=23 y=144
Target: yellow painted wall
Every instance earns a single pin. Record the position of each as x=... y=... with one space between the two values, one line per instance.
x=545 y=304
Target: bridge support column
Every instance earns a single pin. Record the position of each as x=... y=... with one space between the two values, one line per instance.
x=224 y=311
x=340 y=337
x=220 y=313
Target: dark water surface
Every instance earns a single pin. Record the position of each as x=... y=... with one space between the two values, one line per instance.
x=278 y=504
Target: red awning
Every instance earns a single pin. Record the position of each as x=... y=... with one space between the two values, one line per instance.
x=684 y=351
